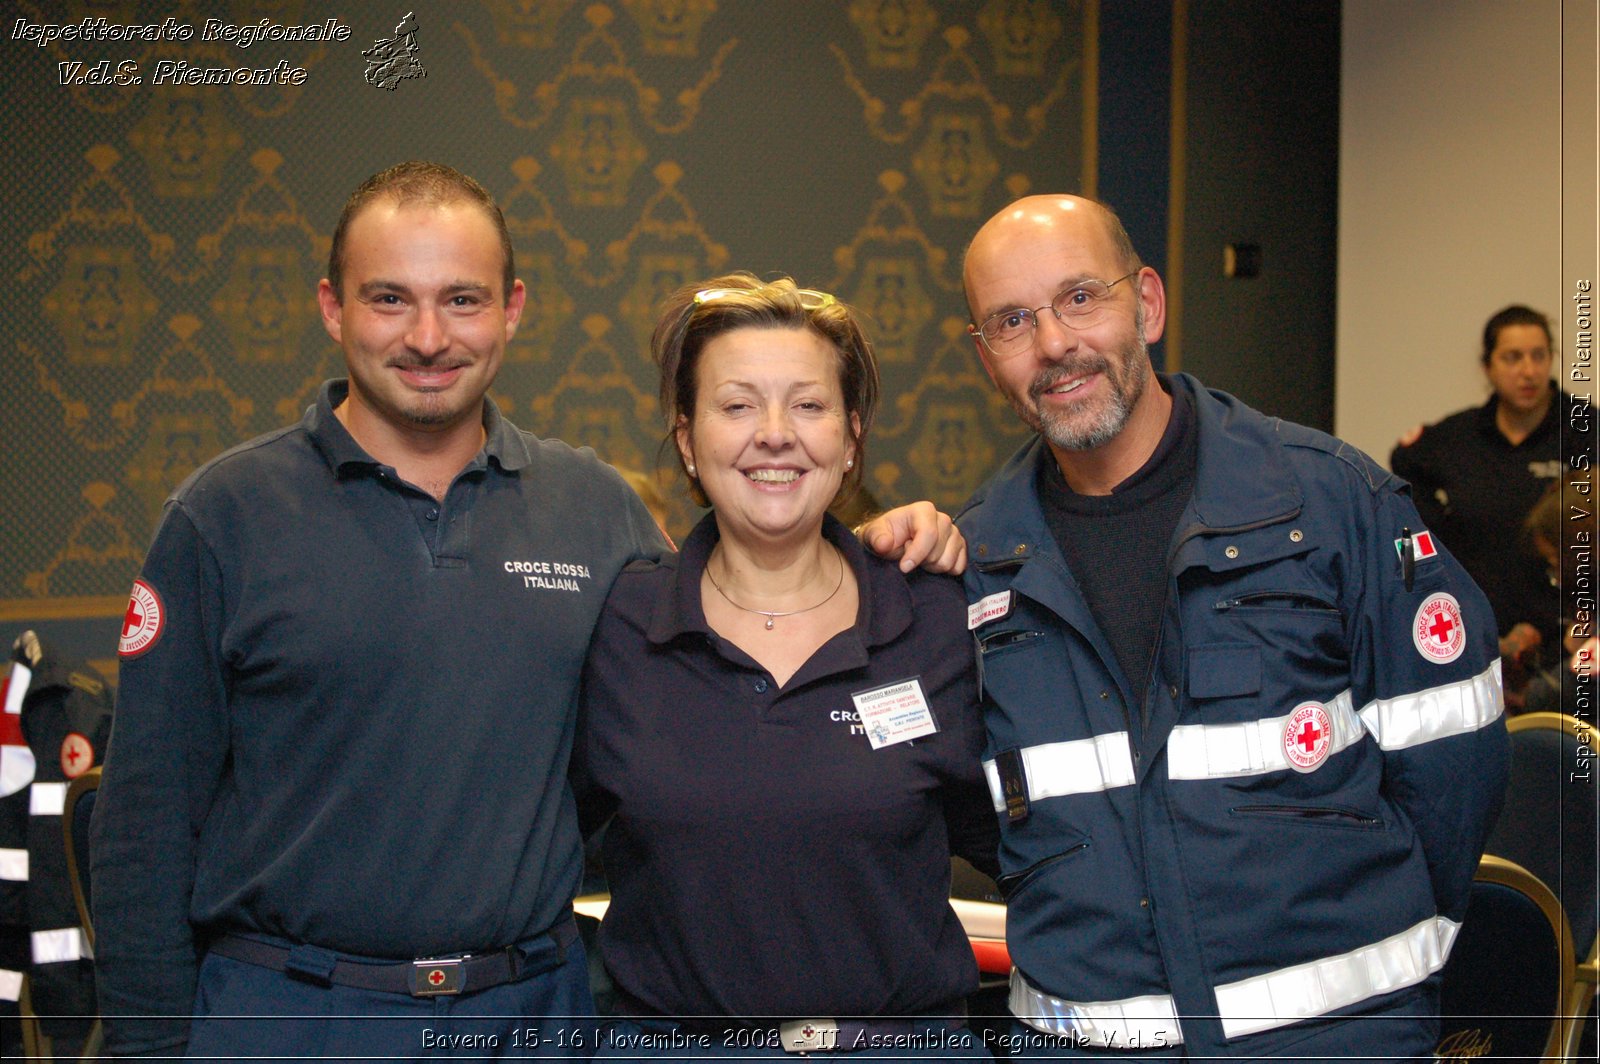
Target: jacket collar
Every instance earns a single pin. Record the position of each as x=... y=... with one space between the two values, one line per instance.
x=1560 y=412
x=1240 y=478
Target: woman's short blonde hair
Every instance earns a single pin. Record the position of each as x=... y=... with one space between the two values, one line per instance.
x=743 y=300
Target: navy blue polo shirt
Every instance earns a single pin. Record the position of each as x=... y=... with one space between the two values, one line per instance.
x=764 y=860
x=352 y=725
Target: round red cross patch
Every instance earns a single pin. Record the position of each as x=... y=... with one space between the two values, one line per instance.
x=142 y=624
x=77 y=755
x=1437 y=630
x=1308 y=736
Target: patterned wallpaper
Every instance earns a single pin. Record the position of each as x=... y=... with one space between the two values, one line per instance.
x=165 y=235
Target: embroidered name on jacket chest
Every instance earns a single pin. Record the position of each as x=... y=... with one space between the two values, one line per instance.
x=547 y=575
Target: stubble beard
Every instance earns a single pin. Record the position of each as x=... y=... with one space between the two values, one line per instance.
x=1087 y=430
x=430 y=409
x=430 y=414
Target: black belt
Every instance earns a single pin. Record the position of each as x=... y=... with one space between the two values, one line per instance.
x=425 y=977
x=818 y=1035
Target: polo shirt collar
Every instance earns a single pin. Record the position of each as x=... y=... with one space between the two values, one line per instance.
x=883 y=614
x=503 y=442
x=1490 y=427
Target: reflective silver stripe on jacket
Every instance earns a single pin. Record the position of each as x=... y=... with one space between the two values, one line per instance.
x=1249 y=1006
x=47 y=799
x=1142 y=1022
x=1248 y=748
x=1215 y=751
x=1449 y=709
x=1288 y=995
x=1081 y=766
x=16 y=768
x=61 y=944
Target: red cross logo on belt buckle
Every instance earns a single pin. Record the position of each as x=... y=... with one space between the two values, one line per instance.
x=1437 y=631
x=1308 y=736
x=433 y=978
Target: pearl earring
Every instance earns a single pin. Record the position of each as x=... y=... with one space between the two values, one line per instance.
x=691 y=469
x=849 y=463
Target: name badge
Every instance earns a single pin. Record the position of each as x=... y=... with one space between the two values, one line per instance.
x=895 y=714
x=989 y=608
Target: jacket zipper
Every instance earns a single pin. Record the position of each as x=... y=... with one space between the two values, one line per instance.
x=1280 y=596
x=1192 y=532
x=1302 y=812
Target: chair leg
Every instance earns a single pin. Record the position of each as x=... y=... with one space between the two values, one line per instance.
x=1580 y=1019
x=1581 y=1003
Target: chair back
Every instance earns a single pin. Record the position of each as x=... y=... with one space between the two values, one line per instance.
x=1510 y=970
x=1548 y=824
x=75 y=813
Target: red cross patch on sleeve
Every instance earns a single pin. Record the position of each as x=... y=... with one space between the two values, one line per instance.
x=143 y=623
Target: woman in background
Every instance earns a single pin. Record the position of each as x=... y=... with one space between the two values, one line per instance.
x=1476 y=474
x=784 y=728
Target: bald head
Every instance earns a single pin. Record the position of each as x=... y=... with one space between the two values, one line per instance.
x=1063 y=223
x=1079 y=379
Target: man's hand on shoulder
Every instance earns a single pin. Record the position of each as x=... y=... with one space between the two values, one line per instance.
x=917 y=534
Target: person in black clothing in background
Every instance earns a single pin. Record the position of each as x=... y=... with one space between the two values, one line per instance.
x=1476 y=474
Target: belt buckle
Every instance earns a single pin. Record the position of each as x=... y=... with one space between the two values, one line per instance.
x=434 y=978
x=809 y=1036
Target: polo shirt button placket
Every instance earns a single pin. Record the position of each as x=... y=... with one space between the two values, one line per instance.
x=761 y=685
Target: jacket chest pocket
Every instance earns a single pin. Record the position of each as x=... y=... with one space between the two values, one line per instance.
x=1007 y=658
x=1264 y=649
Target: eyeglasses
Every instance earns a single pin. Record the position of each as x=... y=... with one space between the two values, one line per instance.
x=1011 y=332
x=810 y=298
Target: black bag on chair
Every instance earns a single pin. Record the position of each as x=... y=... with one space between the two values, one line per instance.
x=66 y=719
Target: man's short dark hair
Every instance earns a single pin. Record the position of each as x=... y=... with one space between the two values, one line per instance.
x=429 y=184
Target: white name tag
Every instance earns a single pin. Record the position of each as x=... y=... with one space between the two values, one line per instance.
x=895 y=714
x=989 y=608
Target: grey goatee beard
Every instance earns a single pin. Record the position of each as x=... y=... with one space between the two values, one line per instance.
x=1126 y=377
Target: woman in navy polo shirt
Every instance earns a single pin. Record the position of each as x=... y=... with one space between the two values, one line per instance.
x=783 y=728
x=1476 y=475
